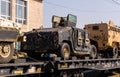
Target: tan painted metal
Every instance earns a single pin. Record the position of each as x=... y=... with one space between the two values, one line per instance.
x=106 y=35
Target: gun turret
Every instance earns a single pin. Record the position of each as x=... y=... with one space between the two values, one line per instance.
x=70 y=20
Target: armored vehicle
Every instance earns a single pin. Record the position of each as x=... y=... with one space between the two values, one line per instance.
x=63 y=39
x=106 y=36
x=8 y=36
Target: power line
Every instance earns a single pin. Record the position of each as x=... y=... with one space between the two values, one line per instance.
x=60 y=6
x=116 y=2
x=76 y=9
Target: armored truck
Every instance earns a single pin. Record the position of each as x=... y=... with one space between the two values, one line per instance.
x=106 y=36
x=8 y=36
x=63 y=39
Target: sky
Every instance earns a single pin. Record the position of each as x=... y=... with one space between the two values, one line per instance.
x=87 y=11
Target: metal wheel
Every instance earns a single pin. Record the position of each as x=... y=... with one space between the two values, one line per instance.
x=65 y=51
x=93 y=52
x=6 y=52
x=115 y=52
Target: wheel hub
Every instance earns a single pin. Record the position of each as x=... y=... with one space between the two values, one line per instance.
x=5 y=51
x=65 y=52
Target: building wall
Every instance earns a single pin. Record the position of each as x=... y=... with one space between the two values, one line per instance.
x=34 y=14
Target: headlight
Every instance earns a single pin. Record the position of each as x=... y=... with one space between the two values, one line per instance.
x=80 y=40
x=87 y=41
x=24 y=38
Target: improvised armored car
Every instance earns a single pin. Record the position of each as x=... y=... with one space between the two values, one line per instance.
x=63 y=39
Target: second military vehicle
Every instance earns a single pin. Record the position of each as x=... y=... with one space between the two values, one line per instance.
x=63 y=39
x=106 y=37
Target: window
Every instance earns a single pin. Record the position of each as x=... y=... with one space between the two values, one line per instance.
x=21 y=11
x=95 y=27
x=5 y=9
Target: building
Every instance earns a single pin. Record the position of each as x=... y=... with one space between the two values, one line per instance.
x=27 y=13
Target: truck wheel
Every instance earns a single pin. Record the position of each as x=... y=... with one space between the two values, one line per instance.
x=93 y=52
x=6 y=52
x=65 y=51
x=115 y=52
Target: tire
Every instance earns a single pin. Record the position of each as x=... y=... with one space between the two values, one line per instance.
x=93 y=52
x=6 y=52
x=65 y=51
x=115 y=52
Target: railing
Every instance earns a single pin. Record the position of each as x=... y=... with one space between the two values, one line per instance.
x=8 y=23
